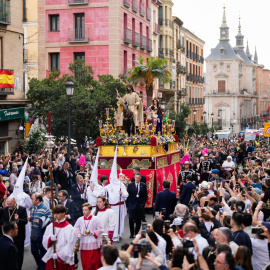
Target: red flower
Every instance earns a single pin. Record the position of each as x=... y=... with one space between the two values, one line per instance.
x=176 y=138
x=153 y=141
x=99 y=141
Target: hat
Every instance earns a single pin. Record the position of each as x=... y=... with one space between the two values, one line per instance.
x=186 y=162
x=19 y=163
x=205 y=155
x=229 y=157
x=215 y=171
x=177 y=221
x=204 y=185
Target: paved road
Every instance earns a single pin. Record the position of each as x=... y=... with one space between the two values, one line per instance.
x=29 y=263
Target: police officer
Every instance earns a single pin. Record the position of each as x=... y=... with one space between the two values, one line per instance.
x=205 y=169
x=184 y=173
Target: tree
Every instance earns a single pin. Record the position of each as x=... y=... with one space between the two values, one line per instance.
x=88 y=103
x=145 y=74
x=35 y=141
x=180 y=120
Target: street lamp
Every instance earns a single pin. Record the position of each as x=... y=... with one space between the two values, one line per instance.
x=212 y=117
x=204 y=116
x=194 y=112
x=69 y=91
x=163 y=105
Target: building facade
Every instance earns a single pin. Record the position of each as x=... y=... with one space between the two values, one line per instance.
x=108 y=34
x=230 y=96
x=12 y=100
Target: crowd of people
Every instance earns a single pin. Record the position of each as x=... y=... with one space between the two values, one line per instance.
x=221 y=221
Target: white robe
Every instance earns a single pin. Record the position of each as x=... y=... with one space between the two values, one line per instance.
x=107 y=219
x=113 y=198
x=93 y=195
x=26 y=202
x=65 y=244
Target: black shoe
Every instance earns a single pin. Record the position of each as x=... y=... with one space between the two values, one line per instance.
x=76 y=266
x=131 y=236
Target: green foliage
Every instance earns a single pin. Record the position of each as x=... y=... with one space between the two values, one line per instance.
x=198 y=129
x=180 y=120
x=146 y=73
x=35 y=141
x=88 y=103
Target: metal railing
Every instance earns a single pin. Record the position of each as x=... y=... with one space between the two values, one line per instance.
x=160 y=53
x=143 y=43
x=128 y=36
x=149 y=45
x=25 y=55
x=178 y=44
x=136 y=39
x=127 y=3
x=78 y=2
x=156 y=29
x=148 y=14
x=142 y=9
x=78 y=35
x=135 y=5
x=160 y=21
x=4 y=12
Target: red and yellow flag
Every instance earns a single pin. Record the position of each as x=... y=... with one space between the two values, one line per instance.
x=6 y=78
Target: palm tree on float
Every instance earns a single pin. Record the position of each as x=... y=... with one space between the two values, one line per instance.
x=145 y=74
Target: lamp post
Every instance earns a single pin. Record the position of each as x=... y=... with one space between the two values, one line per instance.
x=212 y=118
x=204 y=116
x=194 y=112
x=69 y=91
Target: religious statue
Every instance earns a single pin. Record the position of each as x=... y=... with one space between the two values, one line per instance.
x=134 y=103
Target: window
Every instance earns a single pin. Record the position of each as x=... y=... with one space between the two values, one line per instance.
x=54 y=22
x=221 y=86
x=78 y=55
x=133 y=59
x=125 y=62
x=55 y=61
x=79 y=25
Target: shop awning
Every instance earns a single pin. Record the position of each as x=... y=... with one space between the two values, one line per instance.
x=10 y=114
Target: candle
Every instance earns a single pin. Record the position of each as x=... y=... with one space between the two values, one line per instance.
x=147 y=128
x=107 y=111
x=49 y=122
x=173 y=123
x=140 y=123
x=170 y=127
x=100 y=123
x=115 y=122
x=155 y=122
x=167 y=113
x=105 y=128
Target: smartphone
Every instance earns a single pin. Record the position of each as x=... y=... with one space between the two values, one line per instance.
x=136 y=250
x=143 y=233
x=104 y=239
x=203 y=210
x=144 y=226
x=167 y=225
x=221 y=210
x=121 y=266
x=232 y=206
x=163 y=211
x=206 y=203
x=265 y=205
x=156 y=214
x=256 y=230
x=220 y=199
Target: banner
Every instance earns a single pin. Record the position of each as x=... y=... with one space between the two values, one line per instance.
x=11 y=114
x=6 y=78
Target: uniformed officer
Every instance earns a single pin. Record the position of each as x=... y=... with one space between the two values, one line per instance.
x=205 y=169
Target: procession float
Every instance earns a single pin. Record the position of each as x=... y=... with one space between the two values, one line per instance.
x=143 y=140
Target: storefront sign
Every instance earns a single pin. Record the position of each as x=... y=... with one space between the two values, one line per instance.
x=10 y=114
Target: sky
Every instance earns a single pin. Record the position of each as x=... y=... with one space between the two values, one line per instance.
x=204 y=17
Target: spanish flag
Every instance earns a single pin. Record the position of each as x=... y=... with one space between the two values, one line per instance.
x=6 y=78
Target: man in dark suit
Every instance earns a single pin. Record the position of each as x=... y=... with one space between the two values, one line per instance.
x=19 y=215
x=73 y=212
x=63 y=178
x=165 y=199
x=135 y=203
x=137 y=170
x=8 y=251
x=188 y=189
x=77 y=193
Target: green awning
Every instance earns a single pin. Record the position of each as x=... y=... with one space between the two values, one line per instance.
x=10 y=114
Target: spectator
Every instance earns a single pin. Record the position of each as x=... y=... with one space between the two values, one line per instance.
x=243 y=258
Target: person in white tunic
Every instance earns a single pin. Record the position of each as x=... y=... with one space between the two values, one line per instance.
x=94 y=189
x=117 y=194
x=64 y=237
x=89 y=230
x=105 y=215
x=24 y=200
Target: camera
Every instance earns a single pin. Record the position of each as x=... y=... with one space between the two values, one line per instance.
x=163 y=211
x=221 y=210
x=144 y=226
x=167 y=225
x=187 y=243
x=145 y=248
x=156 y=214
x=143 y=233
x=256 y=230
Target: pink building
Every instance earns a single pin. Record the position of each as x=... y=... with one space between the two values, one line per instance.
x=108 y=34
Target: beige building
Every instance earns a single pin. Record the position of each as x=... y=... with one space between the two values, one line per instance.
x=12 y=100
x=30 y=48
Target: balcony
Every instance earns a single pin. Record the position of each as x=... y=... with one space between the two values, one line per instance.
x=160 y=21
x=188 y=53
x=142 y=9
x=171 y=54
x=6 y=91
x=135 y=5
x=201 y=59
x=77 y=35
x=149 y=45
x=166 y=52
x=77 y=2
x=178 y=44
x=161 y=53
x=148 y=14
x=143 y=43
x=25 y=55
x=183 y=49
x=5 y=12
x=136 y=39
x=128 y=36
x=156 y=29
x=178 y=68
x=127 y=3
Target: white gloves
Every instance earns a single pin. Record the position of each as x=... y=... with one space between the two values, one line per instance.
x=54 y=256
x=53 y=238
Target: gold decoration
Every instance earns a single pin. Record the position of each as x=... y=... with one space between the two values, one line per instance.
x=143 y=153
x=150 y=189
x=87 y=232
x=135 y=149
x=143 y=164
x=175 y=158
x=162 y=162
